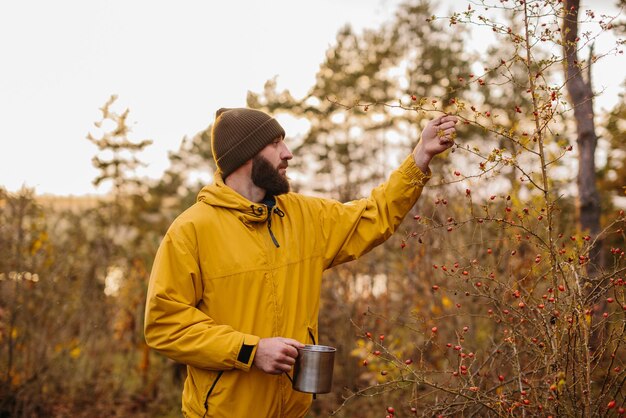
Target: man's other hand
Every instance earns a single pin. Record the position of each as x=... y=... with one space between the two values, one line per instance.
x=276 y=355
x=437 y=136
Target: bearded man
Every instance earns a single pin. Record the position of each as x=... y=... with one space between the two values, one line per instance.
x=235 y=286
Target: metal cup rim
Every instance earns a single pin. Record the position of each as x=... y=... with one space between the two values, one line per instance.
x=318 y=348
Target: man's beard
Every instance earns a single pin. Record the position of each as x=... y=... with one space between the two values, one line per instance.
x=265 y=176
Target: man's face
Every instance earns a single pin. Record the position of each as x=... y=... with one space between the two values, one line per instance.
x=269 y=168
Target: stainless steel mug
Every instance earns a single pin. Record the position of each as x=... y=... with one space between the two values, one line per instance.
x=313 y=371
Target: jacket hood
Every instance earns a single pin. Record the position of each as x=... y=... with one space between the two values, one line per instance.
x=220 y=195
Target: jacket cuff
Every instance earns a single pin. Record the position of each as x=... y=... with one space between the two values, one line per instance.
x=246 y=353
x=417 y=177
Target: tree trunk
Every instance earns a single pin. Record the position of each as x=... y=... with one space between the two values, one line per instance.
x=581 y=97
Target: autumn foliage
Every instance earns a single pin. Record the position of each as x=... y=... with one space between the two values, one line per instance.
x=492 y=299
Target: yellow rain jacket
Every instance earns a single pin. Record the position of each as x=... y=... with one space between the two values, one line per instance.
x=229 y=272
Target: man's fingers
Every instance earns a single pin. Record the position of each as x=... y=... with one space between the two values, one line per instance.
x=446 y=125
x=437 y=121
x=288 y=360
x=448 y=119
x=293 y=343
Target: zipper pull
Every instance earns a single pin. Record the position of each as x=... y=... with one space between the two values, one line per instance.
x=269 y=228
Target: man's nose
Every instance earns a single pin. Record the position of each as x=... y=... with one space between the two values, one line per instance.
x=286 y=154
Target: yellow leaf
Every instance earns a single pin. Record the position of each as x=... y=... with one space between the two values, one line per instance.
x=75 y=353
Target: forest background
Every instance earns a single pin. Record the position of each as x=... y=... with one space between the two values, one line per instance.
x=502 y=293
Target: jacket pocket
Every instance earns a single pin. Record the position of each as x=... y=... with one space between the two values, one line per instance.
x=210 y=390
x=312 y=334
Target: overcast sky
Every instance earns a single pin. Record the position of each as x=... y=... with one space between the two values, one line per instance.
x=172 y=63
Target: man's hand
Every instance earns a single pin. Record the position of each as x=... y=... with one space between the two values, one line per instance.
x=276 y=355
x=437 y=136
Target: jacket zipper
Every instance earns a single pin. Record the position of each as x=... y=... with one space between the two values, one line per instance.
x=206 y=400
x=258 y=211
x=271 y=210
x=269 y=228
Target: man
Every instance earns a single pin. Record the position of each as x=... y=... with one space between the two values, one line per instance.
x=235 y=286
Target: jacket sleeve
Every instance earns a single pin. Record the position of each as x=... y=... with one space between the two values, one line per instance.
x=354 y=228
x=174 y=325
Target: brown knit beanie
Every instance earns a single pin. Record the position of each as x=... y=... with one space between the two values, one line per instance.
x=239 y=134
